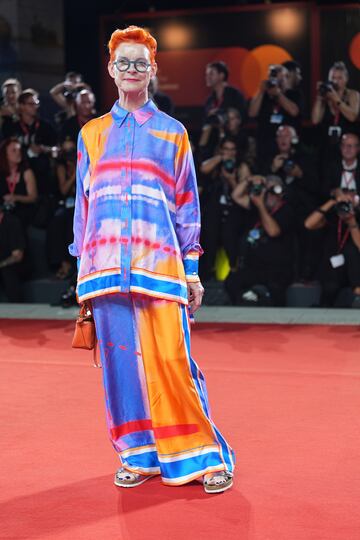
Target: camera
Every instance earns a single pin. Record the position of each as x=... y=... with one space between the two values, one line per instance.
x=216 y=120
x=7 y=206
x=256 y=189
x=229 y=165
x=70 y=95
x=272 y=81
x=343 y=208
x=326 y=87
x=288 y=165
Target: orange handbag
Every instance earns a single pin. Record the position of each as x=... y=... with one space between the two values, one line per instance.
x=84 y=335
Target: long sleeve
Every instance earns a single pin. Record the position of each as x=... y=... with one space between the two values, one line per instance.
x=81 y=201
x=187 y=209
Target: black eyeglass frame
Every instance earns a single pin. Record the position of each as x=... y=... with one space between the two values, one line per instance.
x=129 y=62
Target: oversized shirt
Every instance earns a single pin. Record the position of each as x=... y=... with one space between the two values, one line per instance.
x=137 y=216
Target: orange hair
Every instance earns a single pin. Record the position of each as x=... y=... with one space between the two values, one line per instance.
x=132 y=33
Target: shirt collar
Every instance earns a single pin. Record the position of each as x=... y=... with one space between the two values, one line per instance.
x=141 y=115
x=350 y=167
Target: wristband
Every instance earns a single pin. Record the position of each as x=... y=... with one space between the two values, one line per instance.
x=321 y=211
x=354 y=226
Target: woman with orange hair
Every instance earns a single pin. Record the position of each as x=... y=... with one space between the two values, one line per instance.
x=136 y=236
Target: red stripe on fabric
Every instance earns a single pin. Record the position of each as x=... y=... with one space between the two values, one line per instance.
x=173 y=431
x=183 y=198
x=137 y=166
x=162 y=432
x=130 y=427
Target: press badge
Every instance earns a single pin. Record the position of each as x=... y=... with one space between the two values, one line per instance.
x=337 y=260
x=276 y=118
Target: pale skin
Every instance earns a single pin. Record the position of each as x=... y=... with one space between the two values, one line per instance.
x=132 y=88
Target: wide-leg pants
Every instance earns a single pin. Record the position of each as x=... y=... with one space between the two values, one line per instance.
x=156 y=400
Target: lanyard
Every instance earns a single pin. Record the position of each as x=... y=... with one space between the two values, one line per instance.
x=12 y=180
x=26 y=128
x=341 y=241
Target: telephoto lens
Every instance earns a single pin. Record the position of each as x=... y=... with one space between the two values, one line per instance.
x=256 y=189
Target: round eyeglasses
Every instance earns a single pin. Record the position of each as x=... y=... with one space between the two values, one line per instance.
x=123 y=64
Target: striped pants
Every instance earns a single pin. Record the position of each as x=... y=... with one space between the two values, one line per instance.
x=156 y=401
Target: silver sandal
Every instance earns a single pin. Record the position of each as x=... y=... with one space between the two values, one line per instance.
x=218 y=482
x=124 y=478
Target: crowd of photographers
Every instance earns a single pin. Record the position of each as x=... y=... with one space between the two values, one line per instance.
x=283 y=210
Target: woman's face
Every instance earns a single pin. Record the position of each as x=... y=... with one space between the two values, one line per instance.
x=338 y=77
x=228 y=151
x=233 y=121
x=131 y=81
x=10 y=94
x=13 y=153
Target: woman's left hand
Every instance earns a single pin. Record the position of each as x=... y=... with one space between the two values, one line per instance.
x=195 y=295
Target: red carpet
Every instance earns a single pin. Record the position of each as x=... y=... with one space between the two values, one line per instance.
x=287 y=398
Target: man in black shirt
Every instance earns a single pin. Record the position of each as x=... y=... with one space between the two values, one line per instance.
x=37 y=138
x=266 y=248
x=222 y=95
x=274 y=104
x=302 y=191
x=343 y=171
x=339 y=217
x=84 y=106
x=12 y=245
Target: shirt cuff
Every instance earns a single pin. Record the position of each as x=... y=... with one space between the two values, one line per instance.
x=191 y=265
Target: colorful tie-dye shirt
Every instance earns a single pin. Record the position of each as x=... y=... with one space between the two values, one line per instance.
x=137 y=216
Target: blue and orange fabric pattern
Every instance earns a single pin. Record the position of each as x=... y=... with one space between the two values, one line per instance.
x=157 y=406
x=137 y=218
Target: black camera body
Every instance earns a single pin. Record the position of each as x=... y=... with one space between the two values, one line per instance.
x=229 y=165
x=7 y=206
x=288 y=165
x=217 y=119
x=70 y=95
x=272 y=81
x=256 y=189
x=344 y=208
x=326 y=87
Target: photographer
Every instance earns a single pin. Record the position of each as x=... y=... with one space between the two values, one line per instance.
x=84 y=111
x=37 y=139
x=266 y=249
x=12 y=245
x=60 y=230
x=18 y=192
x=336 y=108
x=64 y=93
x=10 y=91
x=223 y=96
x=343 y=171
x=302 y=191
x=273 y=105
x=339 y=216
x=221 y=174
x=223 y=125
